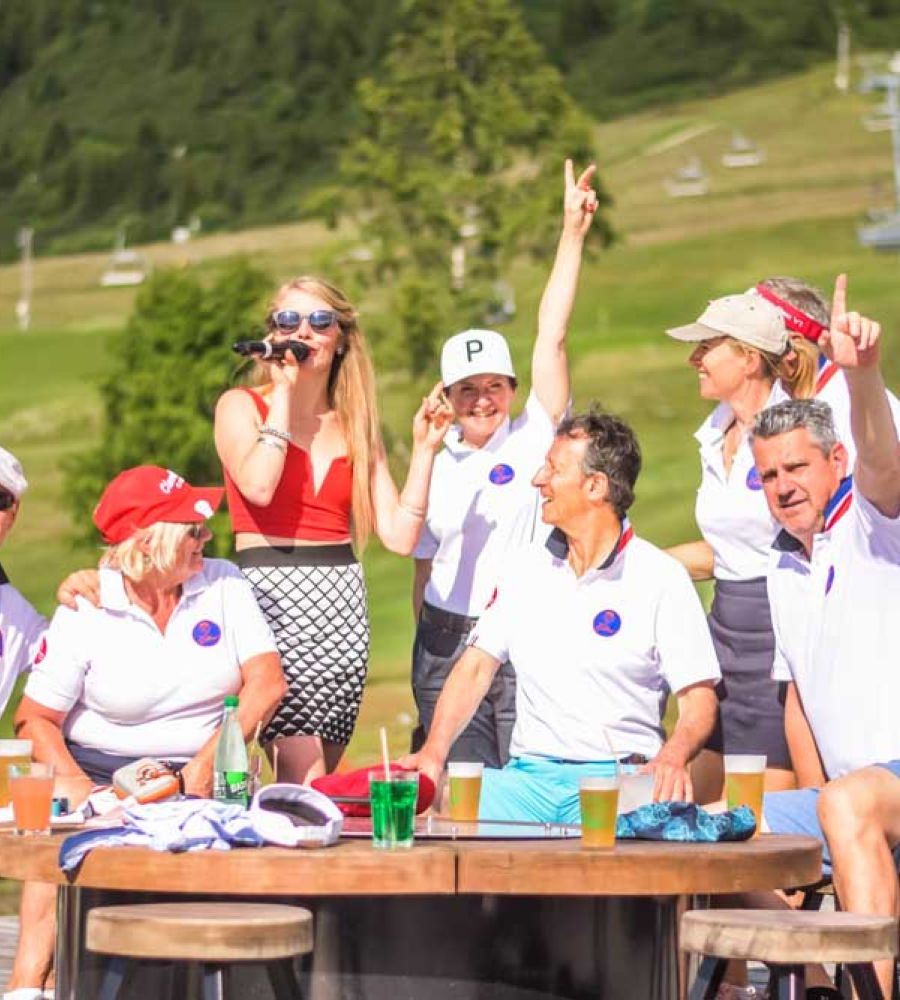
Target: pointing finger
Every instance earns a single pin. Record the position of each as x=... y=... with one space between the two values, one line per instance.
x=839 y=299
x=584 y=181
x=570 y=174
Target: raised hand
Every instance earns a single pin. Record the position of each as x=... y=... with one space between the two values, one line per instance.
x=579 y=200
x=853 y=340
x=432 y=419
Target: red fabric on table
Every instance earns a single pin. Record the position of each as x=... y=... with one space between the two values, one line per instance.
x=355 y=784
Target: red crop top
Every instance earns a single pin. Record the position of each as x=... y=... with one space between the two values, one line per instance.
x=296 y=510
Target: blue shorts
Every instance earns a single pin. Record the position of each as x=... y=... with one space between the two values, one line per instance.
x=537 y=789
x=795 y=812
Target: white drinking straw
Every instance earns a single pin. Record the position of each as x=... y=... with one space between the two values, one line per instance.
x=385 y=756
x=275 y=762
x=609 y=747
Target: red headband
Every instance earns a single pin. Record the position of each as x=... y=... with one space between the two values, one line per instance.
x=795 y=319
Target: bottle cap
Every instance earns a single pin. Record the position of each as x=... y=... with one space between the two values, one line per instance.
x=231 y=701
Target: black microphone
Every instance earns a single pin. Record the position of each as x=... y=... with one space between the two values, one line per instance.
x=268 y=350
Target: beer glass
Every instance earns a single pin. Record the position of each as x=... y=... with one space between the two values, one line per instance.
x=465 y=789
x=599 y=806
x=745 y=776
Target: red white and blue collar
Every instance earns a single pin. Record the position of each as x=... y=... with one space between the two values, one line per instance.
x=558 y=544
x=827 y=371
x=839 y=504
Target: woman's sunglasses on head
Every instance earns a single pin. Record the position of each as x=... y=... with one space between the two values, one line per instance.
x=290 y=321
x=7 y=500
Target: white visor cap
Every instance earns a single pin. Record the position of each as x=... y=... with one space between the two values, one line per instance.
x=475 y=352
x=294 y=816
x=12 y=477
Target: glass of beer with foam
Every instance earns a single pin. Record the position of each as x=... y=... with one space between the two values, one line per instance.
x=465 y=790
x=599 y=799
x=745 y=776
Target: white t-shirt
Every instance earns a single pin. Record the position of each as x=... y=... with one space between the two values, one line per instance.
x=731 y=508
x=836 y=631
x=21 y=628
x=595 y=656
x=130 y=689
x=481 y=507
x=831 y=388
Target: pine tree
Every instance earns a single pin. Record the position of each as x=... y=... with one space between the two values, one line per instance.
x=463 y=139
x=172 y=361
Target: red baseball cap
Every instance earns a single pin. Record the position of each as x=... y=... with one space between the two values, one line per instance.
x=146 y=494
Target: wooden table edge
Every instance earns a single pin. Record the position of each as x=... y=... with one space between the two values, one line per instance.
x=768 y=862
x=349 y=868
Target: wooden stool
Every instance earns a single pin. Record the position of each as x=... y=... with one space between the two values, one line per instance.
x=213 y=935
x=787 y=940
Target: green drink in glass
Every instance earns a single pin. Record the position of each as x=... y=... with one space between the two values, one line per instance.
x=393 y=807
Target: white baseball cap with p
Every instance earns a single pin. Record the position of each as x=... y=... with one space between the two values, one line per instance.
x=475 y=352
x=12 y=478
x=748 y=318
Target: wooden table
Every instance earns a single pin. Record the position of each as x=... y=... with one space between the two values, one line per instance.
x=503 y=920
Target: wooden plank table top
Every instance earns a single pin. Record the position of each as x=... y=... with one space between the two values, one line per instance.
x=636 y=868
x=350 y=868
x=355 y=868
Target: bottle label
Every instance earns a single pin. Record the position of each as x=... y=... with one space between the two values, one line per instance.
x=231 y=786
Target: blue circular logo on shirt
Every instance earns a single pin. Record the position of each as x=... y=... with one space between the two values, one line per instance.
x=829 y=581
x=607 y=623
x=502 y=474
x=753 y=480
x=206 y=633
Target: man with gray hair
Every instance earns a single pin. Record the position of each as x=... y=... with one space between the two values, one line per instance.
x=834 y=585
x=600 y=626
x=21 y=626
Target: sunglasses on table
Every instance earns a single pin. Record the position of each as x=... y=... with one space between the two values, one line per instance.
x=290 y=321
x=7 y=500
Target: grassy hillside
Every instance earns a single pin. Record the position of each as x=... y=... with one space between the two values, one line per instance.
x=148 y=115
x=794 y=215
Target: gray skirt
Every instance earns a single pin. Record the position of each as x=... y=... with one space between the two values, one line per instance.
x=751 y=703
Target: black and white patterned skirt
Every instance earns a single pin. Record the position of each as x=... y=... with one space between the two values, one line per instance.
x=314 y=599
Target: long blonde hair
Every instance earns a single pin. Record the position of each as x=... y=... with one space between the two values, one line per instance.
x=351 y=394
x=796 y=369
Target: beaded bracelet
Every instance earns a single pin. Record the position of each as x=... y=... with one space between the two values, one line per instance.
x=276 y=432
x=273 y=444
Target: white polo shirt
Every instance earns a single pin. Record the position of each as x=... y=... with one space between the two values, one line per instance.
x=598 y=653
x=482 y=506
x=130 y=689
x=836 y=630
x=21 y=628
x=831 y=388
x=731 y=509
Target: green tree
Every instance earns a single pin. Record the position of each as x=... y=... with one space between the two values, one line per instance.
x=462 y=142
x=172 y=361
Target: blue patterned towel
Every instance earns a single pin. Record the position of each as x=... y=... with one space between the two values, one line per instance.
x=686 y=822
